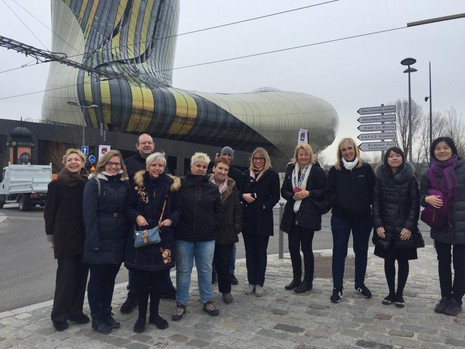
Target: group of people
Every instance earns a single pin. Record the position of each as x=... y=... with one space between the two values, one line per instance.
x=91 y=224
x=386 y=201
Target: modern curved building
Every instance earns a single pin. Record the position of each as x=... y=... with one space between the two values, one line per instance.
x=133 y=43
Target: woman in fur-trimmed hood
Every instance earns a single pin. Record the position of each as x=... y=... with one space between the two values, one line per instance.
x=153 y=201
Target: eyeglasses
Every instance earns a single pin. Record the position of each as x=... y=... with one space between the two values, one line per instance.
x=116 y=164
x=144 y=143
x=259 y=159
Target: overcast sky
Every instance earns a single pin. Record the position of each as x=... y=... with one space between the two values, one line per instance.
x=359 y=72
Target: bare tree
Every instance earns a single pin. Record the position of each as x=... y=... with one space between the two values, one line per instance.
x=454 y=128
x=403 y=123
x=55 y=154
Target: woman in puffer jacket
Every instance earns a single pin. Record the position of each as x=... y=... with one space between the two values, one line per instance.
x=153 y=201
x=396 y=209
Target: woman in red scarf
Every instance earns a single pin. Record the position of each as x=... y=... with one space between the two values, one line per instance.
x=449 y=241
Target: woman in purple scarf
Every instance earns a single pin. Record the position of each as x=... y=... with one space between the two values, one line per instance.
x=449 y=171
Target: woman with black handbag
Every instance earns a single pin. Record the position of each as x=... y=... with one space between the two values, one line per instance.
x=396 y=210
x=304 y=183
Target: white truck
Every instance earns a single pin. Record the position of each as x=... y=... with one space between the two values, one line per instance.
x=25 y=185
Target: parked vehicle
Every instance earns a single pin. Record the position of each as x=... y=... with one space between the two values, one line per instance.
x=25 y=185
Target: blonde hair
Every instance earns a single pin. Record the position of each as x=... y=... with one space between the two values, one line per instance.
x=74 y=151
x=105 y=158
x=306 y=148
x=263 y=153
x=346 y=142
x=200 y=157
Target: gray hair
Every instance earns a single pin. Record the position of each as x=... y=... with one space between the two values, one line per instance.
x=154 y=158
x=200 y=157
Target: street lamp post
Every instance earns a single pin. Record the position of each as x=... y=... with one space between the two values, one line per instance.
x=83 y=108
x=408 y=62
x=430 y=98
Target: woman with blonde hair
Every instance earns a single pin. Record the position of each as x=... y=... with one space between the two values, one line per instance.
x=260 y=192
x=304 y=182
x=351 y=186
x=107 y=229
x=64 y=226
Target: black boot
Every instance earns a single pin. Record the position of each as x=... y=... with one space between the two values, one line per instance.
x=108 y=317
x=296 y=282
x=99 y=324
x=129 y=304
x=304 y=287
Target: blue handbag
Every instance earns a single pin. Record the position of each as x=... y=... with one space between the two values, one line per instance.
x=145 y=237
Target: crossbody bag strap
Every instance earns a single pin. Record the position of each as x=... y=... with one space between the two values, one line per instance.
x=163 y=210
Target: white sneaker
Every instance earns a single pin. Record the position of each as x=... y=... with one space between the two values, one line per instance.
x=250 y=289
x=258 y=291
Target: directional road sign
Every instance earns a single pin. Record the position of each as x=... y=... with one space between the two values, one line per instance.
x=92 y=159
x=376 y=136
x=377 y=110
x=376 y=146
x=377 y=127
x=85 y=149
x=377 y=118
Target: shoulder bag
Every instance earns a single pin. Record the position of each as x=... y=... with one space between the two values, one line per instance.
x=436 y=218
x=144 y=237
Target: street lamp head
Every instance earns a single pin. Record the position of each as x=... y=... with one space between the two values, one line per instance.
x=426 y=99
x=410 y=70
x=73 y=103
x=408 y=61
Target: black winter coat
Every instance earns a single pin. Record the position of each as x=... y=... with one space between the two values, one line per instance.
x=63 y=216
x=396 y=202
x=307 y=216
x=107 y=226
x=455 y=234
x=201 y=208
x=351 y=192
x=231 y=224
x=146 y=198
x=258 y=215
x=134 y=164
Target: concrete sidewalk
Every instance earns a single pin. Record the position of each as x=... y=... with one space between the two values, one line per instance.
x=280 y=319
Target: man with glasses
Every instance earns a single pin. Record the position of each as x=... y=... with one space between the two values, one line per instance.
x=145 y=146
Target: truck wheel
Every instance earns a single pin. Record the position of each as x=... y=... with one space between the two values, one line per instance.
x=2 y=200
x=24 y=204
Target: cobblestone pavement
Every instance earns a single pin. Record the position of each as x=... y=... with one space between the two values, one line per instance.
x=279 y=319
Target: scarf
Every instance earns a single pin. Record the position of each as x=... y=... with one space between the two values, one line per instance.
x=445 y=171
x=300 y=181
x=350 y=165
x=71 y=179
x=221 y=186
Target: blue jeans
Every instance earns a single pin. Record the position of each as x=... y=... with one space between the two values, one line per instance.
x=186 y=252
x=361 y=231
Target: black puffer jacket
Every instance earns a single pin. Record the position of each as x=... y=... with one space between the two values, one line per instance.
x=231 y=225
x=351 y=192
x=455 y=234
x=107 y=226
x=396 y=203
x=146 y=198
x=307 y=216
x=201 y=207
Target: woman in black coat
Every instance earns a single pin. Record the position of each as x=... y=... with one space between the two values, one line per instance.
x=396 y=208
x=260 y=192
x=304 y=182
x=107 y=230
x=230 y=227
x=64 y=226
x=152 y=202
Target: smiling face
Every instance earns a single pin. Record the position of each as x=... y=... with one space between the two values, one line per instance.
x=145 y=145
x=73 y=163
x=348 y=151
x=394 y=160
x=442 y=151
x=113 y=166
x=156 y=168
x=303 y=158
x=220 y=172
x=199 y=168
